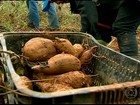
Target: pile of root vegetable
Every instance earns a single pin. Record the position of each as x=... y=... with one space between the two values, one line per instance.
x=57 y=64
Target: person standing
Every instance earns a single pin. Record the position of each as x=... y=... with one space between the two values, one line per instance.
x=123 y=23
x=34 y=17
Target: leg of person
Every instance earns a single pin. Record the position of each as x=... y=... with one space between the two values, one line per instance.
x=106 y=16
x=125 y=27
x=53 y=17
x=89 y=16
x=33 y=16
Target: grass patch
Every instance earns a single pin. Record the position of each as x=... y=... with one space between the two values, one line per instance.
x=13 y=16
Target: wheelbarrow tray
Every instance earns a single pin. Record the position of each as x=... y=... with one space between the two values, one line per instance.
x=119 y=75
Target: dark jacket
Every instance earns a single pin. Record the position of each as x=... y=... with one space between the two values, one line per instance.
x=114 y=4
x=73 y=7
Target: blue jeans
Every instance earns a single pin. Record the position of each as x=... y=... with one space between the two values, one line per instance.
x=53 y=17
x=34 y=17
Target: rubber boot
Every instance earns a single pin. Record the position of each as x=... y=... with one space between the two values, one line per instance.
x=128 y=44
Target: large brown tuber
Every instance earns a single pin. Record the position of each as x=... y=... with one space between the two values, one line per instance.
x=64 y=45
x=65 y=81
x=39 y=49
x=49 y=87
x=60 y=63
